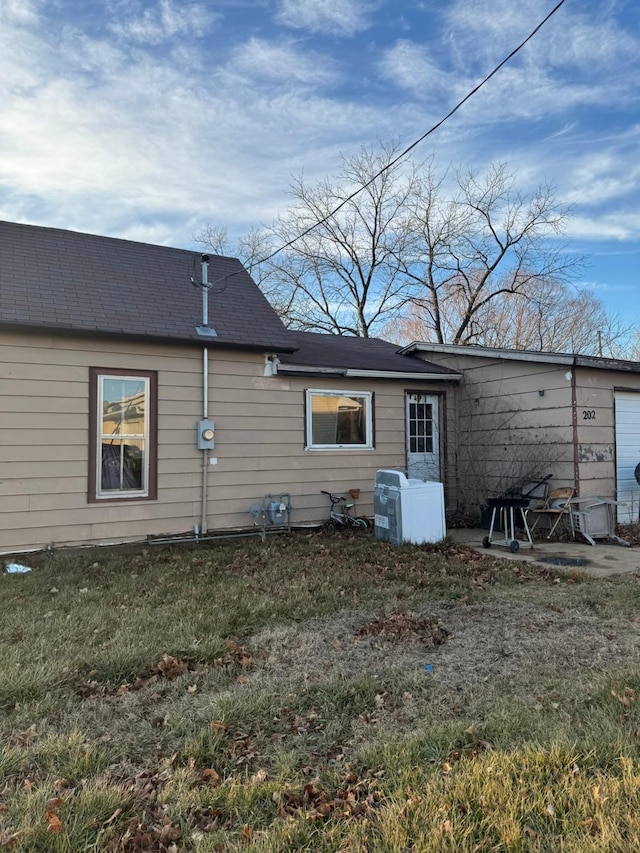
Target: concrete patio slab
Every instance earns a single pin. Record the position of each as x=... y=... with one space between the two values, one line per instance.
x=601 y=560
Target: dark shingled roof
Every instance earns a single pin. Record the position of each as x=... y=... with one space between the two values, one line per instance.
x=349 y=353
x=80 y=283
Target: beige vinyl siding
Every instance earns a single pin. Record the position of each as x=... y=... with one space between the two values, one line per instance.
x=260 y=442
x=44 y=442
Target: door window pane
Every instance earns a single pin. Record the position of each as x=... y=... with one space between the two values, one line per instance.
x=420 y=427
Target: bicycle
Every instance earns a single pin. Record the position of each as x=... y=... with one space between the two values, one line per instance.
x=340 y=515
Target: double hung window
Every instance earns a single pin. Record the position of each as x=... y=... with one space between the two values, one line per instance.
x=123 y=425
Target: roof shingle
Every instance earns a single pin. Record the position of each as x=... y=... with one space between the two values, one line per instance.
x=71 y=282
x=342 y=352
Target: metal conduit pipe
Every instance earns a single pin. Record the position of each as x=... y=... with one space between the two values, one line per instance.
x=205 y=453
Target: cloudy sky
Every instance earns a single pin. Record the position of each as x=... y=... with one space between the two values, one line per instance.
x=147 y=119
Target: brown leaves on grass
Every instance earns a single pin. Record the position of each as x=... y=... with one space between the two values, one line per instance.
x=23 y=738
x=170 y=667
x=151 y=830
x=471 y=749
x=305 y=723
x=167 y=668
x=210 y=819
x=54 y=824
x=354 y=799
x=626 y=697
x=402 y=627
x=236 y=656
x=155 y=839
x=9 y=840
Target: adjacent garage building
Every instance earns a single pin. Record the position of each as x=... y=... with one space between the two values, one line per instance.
x=521 y=416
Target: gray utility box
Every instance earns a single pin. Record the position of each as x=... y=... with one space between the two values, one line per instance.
x=407 y=510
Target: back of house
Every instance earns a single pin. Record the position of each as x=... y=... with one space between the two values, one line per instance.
x=147 y=393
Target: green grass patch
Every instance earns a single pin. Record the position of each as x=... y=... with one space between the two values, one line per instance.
x=317 y=693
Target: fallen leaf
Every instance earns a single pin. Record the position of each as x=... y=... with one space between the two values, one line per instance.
x=260 y=776
x=113 y=817
x=598 y=794
x=54 y=824
x=8 y=840
x=626 y=698
x=218 y=726
x=210 y=776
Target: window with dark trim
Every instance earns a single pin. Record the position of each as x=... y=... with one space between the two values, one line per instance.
x=123 y=427
x=339 y=419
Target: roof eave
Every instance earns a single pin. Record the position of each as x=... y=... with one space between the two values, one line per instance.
x=487 y=352
x=596 y=362
x=352 y=372
x=403 y=374
x=157 y=339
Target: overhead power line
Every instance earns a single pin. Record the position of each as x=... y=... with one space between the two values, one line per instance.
x=407 y=150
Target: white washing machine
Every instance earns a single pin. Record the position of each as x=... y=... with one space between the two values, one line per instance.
x=407 y=510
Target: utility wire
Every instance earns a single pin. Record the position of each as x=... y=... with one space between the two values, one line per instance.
x=407 y=150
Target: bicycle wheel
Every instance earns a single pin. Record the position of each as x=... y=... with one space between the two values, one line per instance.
x=329 y=527
x=360 y=523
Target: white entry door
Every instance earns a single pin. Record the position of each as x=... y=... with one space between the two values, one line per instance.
x=423 y=437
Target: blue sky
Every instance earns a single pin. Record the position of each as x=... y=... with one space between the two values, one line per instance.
x=147 y=119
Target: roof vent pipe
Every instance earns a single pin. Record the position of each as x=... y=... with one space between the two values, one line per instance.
x=205 y=329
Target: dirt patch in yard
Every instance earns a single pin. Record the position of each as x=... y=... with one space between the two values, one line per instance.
x=476 y=642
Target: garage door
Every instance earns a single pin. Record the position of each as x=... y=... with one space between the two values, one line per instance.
x=627 y=455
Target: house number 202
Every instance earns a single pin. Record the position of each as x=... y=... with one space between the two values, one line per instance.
x=588 y=415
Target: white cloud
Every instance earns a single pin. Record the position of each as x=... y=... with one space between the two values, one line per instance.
x=572 y=60
x=335 y=17
x=622 y=225
x=409 y=66
x=23 y=12
x=134 y=142
x=150 y=133
x=261 y=59
x=163 y=21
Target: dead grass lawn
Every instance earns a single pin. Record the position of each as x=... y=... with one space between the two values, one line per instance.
x=316 y=693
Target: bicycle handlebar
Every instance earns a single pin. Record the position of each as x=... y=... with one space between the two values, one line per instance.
x=333 y=497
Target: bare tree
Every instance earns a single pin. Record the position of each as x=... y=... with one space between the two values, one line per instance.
x=480 y=242
x=250 y=248
x=458 y=251
x=342 y=275
x=549 y=316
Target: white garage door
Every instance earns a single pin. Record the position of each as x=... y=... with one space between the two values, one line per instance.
x=627 y=455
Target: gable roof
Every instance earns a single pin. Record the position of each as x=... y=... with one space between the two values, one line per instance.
x=74 y=283
x=341 y=355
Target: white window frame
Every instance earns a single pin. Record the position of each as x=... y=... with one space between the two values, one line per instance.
x=367 y=396
x=111 y=494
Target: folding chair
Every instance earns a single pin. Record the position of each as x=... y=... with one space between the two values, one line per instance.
x=558 y=506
